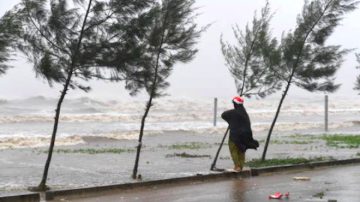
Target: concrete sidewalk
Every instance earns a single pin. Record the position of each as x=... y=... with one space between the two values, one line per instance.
x=340 y=183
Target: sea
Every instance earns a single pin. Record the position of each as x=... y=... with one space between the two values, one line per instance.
x=29 y=122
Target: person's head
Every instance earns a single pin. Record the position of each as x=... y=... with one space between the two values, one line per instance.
x=238 y=102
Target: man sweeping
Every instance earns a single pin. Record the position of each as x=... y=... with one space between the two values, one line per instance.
x=241 y=137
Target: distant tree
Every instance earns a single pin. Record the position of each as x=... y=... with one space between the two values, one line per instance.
x=357 y=84
x=170 y=38
x=254 y=57
x=306 y=61
x=70 y=39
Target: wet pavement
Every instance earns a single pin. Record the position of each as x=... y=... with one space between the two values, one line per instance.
x=340 y=183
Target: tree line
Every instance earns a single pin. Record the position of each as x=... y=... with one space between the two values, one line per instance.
x=71 y=42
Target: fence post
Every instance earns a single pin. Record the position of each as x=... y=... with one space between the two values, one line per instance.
x=326 y=113
x=215 y=110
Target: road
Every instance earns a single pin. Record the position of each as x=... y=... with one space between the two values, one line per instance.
x=340 y=183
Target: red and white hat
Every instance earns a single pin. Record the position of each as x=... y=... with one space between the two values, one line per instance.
x=238 y=100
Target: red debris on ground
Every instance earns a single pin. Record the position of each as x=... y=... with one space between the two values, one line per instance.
x=278 y=195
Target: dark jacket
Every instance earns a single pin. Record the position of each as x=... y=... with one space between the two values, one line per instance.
x=240 y=128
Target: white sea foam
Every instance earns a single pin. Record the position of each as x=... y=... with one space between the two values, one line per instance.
x=36 y=141
x=21 y=121
x=11 y=186
x=33 y=140
x=166 y=116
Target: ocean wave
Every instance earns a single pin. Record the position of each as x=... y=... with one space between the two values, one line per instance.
x=11 y=187
x=84 y=109
x=2 y=101
x=356 y=123
x=166 y=116
x=289 y=126
x=108 y=117
x=35 y=140
x=174 y=104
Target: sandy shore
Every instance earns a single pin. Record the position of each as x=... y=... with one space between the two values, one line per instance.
x=100 y=161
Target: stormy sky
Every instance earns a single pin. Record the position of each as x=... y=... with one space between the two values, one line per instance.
x=206 y=76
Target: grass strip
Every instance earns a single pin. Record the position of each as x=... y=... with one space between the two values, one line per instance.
x=255 y=163
x=186 y=155
x=187 y=145
x=342 y=141
x=92 y=151
x=291 y=142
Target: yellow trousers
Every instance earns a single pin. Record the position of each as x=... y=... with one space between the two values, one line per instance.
x=237 y=156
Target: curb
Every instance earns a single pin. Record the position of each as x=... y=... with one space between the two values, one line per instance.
x=271 y=169
x=50 y=195
x=21 y=198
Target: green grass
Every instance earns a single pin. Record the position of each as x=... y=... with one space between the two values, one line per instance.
x=334 y=140
x=255 y=163
x=342 y=141
x=301 y=136
x=224 y=157
x=92 y=151
x=186 y=155
x=291 y=142
x=218 y=144
x=300 y=139
x=276 y=142
x=300 y=142
x=319 y=195
x=187 y=145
